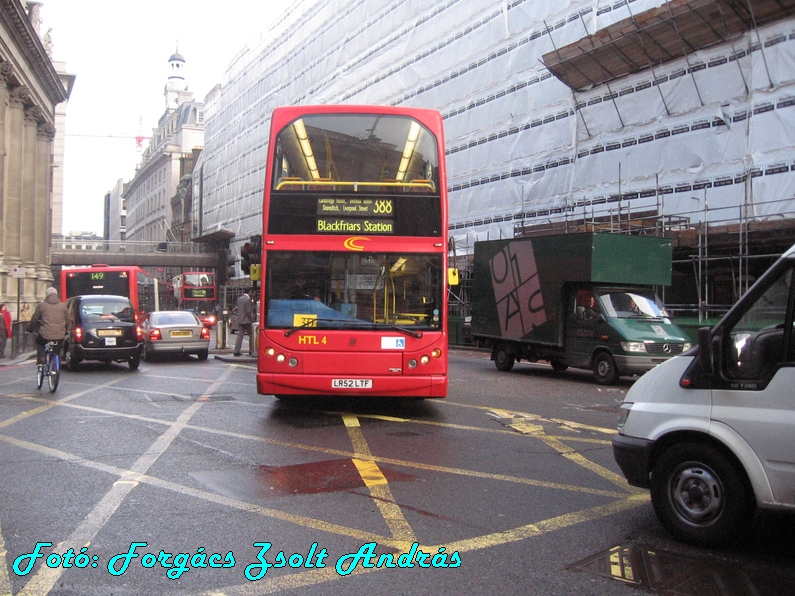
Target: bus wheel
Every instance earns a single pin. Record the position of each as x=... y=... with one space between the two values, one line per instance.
x=604 y=369
x=503 y=360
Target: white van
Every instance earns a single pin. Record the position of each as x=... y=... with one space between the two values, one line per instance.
x=712 y=432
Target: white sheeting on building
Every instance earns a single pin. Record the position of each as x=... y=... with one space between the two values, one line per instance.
x=708 y=136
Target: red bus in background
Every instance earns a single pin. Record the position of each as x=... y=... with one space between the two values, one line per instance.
x=354 y=254
x=196 y=291
x=129 y=281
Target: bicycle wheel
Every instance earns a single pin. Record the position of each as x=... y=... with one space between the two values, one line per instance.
x=54 y=373
x=39 y=375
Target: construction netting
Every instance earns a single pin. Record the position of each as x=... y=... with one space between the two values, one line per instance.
x=707 y=135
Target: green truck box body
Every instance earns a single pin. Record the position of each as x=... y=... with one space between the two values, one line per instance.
x=519 y=284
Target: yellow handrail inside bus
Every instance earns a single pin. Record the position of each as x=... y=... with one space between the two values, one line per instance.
x=421 y=184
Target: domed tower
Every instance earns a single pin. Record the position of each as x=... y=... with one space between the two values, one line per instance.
x=176 y=90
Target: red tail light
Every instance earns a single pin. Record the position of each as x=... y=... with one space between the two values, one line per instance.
x=154 y=335
x=78 y=334
x=139 y=333
x=205 y=333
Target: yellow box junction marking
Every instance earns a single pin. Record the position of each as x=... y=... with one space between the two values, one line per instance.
x=521 y=424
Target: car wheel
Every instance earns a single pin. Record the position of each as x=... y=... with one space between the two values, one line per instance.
x=503 y=360
x=699 y=494
x=134 y=362
x=72 y=360
x=203 y=355
x=604 y=369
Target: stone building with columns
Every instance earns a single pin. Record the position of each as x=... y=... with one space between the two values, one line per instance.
x=30 y=90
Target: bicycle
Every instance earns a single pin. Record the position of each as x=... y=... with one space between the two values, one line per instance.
x=51 y=367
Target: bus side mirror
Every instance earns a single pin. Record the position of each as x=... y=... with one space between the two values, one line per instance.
x=705 y=355
x=452 y=276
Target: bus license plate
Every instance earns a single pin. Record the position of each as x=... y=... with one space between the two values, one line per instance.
x=351 y=383
x=110 y=341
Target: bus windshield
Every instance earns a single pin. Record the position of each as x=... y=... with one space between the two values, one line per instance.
x=354 y=152
x=353 y=291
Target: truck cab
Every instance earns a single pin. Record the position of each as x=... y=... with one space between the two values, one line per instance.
x=710 y=433
x=619 y=330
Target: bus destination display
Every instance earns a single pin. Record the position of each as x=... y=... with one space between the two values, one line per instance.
x=355 y=215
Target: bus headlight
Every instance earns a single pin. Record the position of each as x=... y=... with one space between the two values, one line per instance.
x=270 y=351
x=436 y=353
x=293 y=362
x=412 y=363
x=425 y=359
x=281 y=358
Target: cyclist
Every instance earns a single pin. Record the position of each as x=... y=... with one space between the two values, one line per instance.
x=51 y=322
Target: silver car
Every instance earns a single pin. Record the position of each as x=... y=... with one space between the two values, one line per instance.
x=175 y=332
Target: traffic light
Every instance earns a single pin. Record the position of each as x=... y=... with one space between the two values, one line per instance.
x=251 y=254
x=226 y=266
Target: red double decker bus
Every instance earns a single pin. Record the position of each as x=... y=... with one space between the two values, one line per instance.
x=128 y=281
x=354 y=253
x=195 y=291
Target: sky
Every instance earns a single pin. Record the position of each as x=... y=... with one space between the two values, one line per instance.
x=119 y=51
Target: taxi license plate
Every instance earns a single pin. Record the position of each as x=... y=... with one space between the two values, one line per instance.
x=110 y=341
x=181 y=334
x=351 y=383
x=109 y=332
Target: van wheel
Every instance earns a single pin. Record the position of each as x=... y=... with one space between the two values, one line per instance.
x=557 y=365
x=604 y=369
x=699 y=495
x=503 y=360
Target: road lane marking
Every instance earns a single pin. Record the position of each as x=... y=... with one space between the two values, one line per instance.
x=369 y=465
x=376 y=482
x=46 y=577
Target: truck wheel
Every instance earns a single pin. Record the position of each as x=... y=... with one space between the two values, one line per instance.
x=503 y=360
x=557 y=365
x=699 y=495
x=604 y=369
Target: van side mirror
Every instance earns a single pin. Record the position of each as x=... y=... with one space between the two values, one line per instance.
x=705 y=356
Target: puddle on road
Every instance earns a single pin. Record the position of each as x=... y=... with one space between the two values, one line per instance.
x=332 y=475
x=648 y=568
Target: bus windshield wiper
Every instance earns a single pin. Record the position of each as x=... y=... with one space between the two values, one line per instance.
x=414 y=334
x=311 y=323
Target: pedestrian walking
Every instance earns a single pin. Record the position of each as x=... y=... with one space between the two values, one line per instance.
x=25 y=314
x=246 y=316
x=6 y=330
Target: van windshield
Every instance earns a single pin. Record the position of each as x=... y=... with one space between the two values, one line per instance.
x=632 y=304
